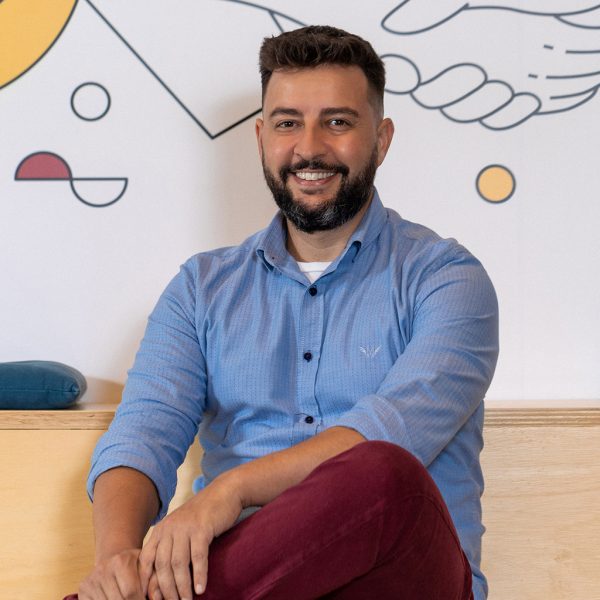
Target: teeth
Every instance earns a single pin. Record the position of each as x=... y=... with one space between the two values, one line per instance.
x=313 y=176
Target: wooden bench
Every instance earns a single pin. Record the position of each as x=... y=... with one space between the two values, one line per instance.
x=541 y=505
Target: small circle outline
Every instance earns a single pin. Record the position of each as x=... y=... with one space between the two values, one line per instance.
x=95 y=84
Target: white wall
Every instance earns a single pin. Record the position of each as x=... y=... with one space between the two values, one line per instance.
x=78 y=282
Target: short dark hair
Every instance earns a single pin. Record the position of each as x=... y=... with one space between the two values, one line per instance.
x=317 y=45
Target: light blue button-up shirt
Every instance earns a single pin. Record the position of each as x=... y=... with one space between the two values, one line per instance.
x=398 y=339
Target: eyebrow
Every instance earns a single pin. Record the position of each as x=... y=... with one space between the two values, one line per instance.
x=326 y=112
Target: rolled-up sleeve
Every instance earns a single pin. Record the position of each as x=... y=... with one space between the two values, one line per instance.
x=442 y=375
x=164 y=397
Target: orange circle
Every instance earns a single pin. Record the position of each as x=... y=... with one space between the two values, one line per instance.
x=495 y=183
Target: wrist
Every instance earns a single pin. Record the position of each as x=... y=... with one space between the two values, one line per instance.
x=107 y=550
x=231 y=484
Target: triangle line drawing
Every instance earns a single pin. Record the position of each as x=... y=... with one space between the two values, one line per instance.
x=156 y=76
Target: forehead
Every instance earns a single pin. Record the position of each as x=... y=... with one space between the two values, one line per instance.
x=315 y=88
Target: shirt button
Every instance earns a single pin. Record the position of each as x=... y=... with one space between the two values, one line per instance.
x=309 y=420
x=307 y=356
x=312 y=291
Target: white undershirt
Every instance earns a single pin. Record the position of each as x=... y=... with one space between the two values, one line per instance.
x=313 y=270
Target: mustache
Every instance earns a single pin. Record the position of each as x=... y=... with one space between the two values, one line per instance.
x=315 y=165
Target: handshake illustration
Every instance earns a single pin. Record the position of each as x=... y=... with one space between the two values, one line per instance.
x=502 y=62
x=496 y=62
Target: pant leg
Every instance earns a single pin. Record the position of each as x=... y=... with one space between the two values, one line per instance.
x=368 y=523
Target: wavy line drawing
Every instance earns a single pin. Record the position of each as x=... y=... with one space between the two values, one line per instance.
x=558 y=70
x=417 y=16
x=98 y=192
x=496 y=89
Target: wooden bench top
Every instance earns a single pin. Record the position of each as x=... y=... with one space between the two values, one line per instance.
x=92 y=414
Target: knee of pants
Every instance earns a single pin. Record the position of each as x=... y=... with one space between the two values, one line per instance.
x=388 y=470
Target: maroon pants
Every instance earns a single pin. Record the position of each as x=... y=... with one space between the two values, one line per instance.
x=368 y=523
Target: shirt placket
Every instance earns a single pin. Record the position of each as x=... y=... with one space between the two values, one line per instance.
x=310 y=335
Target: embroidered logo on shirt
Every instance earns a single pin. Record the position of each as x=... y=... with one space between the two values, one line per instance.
x=370 y=351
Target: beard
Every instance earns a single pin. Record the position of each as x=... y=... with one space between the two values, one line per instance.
x=352 y=195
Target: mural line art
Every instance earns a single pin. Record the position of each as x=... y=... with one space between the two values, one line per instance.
x=468 y=91
x=418 y=16
x=98 y=192
x=566 y=75
x=90 y=101
x=161 y=81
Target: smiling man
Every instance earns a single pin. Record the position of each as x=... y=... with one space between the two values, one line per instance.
x=334 y=367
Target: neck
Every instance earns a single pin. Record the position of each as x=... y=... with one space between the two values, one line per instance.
x=322 y=246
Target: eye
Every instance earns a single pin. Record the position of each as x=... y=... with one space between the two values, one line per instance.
x=285 y=124
x=339 y=123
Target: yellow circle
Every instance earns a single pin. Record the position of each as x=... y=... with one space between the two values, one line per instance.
x=27 y=30
x=495 y=183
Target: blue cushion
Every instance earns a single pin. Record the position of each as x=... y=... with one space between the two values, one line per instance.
x=39 y=384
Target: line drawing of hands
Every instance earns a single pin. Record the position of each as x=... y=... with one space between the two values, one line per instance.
x=485 y=76
x=416 y=16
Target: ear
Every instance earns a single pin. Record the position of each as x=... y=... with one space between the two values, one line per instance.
x=258 y=129
x=385 y=133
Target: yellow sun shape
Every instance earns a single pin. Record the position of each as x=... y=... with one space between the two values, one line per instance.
x=28 y=28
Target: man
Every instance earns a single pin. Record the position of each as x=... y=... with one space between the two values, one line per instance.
x=325 y=362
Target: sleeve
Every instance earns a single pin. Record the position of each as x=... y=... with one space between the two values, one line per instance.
x=164 y=397
x=442 y=376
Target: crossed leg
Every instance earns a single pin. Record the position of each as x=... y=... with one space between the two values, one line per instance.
x=368 y=523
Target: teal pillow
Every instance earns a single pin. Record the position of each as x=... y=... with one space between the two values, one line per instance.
x=39 y=384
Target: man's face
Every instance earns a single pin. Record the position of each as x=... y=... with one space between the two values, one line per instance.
x=320 y=142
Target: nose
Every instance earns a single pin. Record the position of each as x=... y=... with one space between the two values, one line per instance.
x=311 y=142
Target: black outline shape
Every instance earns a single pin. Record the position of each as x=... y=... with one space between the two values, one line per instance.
x=45 y=51
x=71 y=179
x=273 y=13
x=433 y=26
x=125 y=180
x=419 y=81
x=489 y=114
x=512 y=175
x=443 y=72
x=87 y=83
x=212 y=136
x=525 y=118
x=586 y=95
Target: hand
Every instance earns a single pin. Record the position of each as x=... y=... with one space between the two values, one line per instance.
x=116 y=578
x=182 y=539
x=482 y=75
x=416 y=16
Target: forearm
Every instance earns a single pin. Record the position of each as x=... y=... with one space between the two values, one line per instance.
x=261 y=480
x=125 y=503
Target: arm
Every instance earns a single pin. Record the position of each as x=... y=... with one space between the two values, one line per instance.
x=184 y=536
x=125 y=503
x=441 y=377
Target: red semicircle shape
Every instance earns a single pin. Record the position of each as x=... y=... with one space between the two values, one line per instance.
x=43 y=165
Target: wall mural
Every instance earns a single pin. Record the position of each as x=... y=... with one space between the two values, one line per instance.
x=146 y=109
x=552 y=77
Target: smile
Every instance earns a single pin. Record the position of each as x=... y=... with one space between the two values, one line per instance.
x=314 y=175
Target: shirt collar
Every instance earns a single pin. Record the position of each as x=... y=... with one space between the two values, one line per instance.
x=271 y=244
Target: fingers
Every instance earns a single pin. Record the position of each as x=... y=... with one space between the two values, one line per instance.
x=199 y=559
x=175 y=569
x=114 y=579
